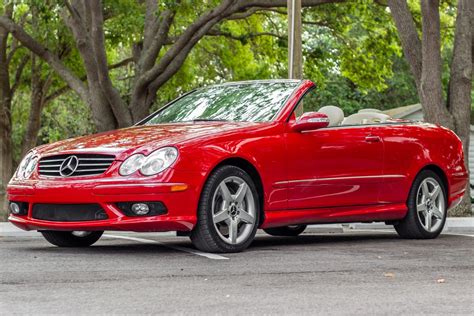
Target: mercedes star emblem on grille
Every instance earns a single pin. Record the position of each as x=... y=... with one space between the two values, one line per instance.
x=68 y=166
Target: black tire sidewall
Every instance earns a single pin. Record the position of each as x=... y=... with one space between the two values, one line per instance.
x=67 y=239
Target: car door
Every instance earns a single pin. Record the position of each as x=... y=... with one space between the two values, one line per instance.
x=334 y=166
x=339 y=165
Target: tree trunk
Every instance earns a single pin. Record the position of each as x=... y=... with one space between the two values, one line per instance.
x=408 y=34
x=6 y=161
x=455 y=112
x=460 y=85
x=102 y=114
x=34 y=120
x=38 y=88
x=432 y=100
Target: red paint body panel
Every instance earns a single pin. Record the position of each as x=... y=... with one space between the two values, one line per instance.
x=334 y=174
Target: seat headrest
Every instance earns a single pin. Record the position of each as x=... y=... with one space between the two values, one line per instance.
x=335 y=114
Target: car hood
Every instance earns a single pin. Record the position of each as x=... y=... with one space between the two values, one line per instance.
x=148 y=137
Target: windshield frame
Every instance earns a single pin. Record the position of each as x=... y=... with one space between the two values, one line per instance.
x=272 y=119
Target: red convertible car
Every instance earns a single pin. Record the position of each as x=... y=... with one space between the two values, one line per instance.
x=222 y=161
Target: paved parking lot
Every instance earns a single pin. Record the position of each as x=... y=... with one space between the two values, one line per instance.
x=355 y=272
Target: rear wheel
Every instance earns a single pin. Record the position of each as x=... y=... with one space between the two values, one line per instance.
x=293 y=230
x=228 y=213
x=71 y=238
x=427 y=208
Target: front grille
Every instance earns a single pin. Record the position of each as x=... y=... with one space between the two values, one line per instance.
x=69 y=212
x=88 y=165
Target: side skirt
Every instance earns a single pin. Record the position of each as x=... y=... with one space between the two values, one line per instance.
x=362 y=213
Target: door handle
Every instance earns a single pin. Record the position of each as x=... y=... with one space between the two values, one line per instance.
x=372 y=139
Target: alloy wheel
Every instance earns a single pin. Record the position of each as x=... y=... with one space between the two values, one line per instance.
x=430 y=204
x=233 y=210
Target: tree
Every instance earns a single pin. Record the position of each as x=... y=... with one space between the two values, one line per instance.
x=452 y=107
x=8 y=86
x=158 y=54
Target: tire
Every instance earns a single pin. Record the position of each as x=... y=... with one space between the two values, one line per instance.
x=227 y=221
x=71 y=239
x=286 y=231
x=425 y=221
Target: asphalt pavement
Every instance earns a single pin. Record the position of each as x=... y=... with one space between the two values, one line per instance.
x=338 y=271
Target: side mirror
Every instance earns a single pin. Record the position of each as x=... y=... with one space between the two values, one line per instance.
x=310 y=121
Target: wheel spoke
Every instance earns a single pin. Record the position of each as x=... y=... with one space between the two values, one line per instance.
x=435 y=193
x=424 y=188
x=421 y=208
x=225 y=192
x=221 y=216
x=428 y=222
x=241 y=192
x=246 y=217
x=437 y=213
x=233 y=231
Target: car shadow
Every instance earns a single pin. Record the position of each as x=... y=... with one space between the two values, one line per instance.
x=118 y=247
x=326 y=239
x=261 y=242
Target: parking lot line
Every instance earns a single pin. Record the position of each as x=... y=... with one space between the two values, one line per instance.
x=183 y=249
x=455 y=234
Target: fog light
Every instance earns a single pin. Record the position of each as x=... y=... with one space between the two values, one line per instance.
x=140 y=208
x=15 y=208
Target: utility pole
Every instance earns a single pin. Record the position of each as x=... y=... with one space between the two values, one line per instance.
x=295 y=54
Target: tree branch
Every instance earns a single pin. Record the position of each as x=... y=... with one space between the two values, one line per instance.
x=214 y=32
x=14 y=47
x=186 y=40
x=60 y=91
x=252 y=11
x=72 y=80
x=18 y=73
x=151 y=51
x=409 y=38
x=151 y=22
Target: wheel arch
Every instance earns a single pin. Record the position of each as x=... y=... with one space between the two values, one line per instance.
x=248 y=167
x=440 y=172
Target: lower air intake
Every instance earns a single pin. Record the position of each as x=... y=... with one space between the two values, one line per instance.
x=69 y=212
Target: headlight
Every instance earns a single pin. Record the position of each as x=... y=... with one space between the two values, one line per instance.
x=149 y=165
x=27 y=166
x=131 y=164
x=159 y=161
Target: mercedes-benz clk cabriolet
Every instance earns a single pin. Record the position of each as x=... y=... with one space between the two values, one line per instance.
x=222 y=161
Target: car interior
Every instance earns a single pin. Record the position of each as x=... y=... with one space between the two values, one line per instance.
x=336 y=114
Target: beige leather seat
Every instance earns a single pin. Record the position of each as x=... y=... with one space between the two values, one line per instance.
x=365 y=118
x=369 y=111
x=335 y=114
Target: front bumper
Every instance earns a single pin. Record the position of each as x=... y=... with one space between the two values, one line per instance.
x=180 y=199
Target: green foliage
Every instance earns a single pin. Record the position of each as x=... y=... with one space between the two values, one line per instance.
x=65 y=117
x=351 y=51
x=355 y=40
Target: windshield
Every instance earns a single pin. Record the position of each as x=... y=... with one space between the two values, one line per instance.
x=250 y=102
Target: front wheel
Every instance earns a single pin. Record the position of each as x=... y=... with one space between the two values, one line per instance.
x=228 y=213
x=427 y=208
x=286 y=231
x=71 y=238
